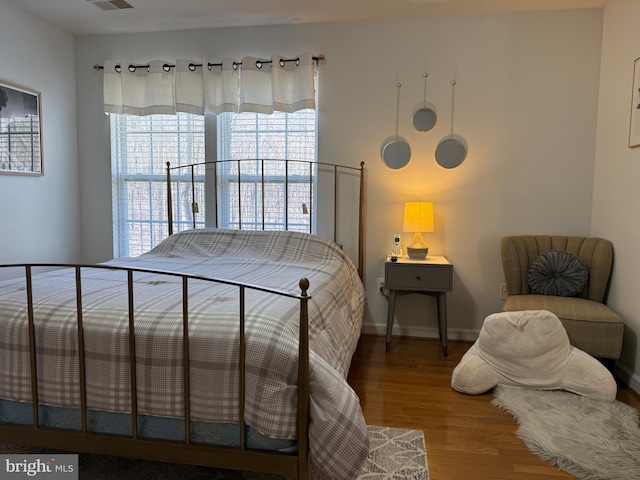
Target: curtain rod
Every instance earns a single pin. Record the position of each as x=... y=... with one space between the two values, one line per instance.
x=192 y=66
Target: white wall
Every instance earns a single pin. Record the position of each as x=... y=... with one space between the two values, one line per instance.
x=526 y=97
x=526 y=103
x=615 y=193
x=39 y=216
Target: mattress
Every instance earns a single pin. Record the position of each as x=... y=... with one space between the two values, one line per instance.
x=338 y=437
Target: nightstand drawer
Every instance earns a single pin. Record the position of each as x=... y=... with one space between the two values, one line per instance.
x=436 y=278
x=432 y=276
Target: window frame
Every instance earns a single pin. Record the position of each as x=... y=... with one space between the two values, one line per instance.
x=122 y=175
x=181 y=187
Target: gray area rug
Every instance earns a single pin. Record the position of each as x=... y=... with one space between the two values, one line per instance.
x=591 y=439
x=395 y=454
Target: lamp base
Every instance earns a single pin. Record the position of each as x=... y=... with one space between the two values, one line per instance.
x=417 y=253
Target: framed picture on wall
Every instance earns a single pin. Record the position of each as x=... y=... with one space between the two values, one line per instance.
x=20 y=130
x=634 y=124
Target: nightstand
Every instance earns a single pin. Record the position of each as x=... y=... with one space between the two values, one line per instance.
x=432 y=276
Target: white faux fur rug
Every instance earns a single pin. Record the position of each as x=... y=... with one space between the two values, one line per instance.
x=591 y=439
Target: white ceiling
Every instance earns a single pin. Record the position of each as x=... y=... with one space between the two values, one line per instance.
x=82 y=17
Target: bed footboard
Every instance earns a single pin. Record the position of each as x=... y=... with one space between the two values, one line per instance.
x=187 y=451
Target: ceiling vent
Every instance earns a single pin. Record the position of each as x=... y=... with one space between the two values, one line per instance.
x=111 y=4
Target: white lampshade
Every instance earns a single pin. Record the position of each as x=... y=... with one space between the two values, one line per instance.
x=418 y=217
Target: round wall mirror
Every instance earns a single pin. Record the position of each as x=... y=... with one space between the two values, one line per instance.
x=424 y=119
x=395 y=152
x=450 y=153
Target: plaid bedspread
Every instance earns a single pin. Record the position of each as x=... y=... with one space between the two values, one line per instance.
x=338 y=435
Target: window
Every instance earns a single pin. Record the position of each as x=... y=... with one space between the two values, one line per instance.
x=140 y=150
x=264 y=199
x=141 y=147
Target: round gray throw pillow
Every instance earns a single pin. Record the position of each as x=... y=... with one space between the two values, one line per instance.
x=558 y=273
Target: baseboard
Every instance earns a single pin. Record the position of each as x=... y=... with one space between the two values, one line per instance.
x=422 y=332
x=632 y=379
x=629 y=377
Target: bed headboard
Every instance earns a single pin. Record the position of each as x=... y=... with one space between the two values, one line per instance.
x=186 y=178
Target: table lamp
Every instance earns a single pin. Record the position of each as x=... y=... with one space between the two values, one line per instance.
x=418 y=218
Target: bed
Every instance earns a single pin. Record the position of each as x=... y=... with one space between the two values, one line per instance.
x=224 y=325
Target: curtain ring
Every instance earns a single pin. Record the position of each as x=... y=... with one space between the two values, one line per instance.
x=132 y=68
x=192 y=67
x=166 y=67
x=235 y=65
x=258 y=64
x=118 y=68
x=282 y=63
x=298 y=62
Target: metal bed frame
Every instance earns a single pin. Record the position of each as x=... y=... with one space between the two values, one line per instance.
x=181 y=452
x=335 y=169
x=241 y=458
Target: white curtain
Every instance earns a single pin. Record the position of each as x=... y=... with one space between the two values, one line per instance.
x=143 y=90
x=189 y=88
x=293 y=84
x=221 y=86
x=250 y=85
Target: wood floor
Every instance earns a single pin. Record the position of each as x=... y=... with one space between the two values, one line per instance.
x=466 y=436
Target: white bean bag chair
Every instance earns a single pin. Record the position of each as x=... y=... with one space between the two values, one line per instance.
x=530 y=349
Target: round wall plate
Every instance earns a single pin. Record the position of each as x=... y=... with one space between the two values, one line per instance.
x=450 y=153
x=424 y=119
x=396 y=152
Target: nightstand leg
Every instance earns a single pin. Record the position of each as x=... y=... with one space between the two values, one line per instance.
x=442 y=321
x=390 y=315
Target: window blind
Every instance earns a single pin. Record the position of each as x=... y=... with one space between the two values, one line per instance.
x=261 y=198
x=140 y=150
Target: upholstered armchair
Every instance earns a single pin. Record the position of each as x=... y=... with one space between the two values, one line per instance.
x=591 y=325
